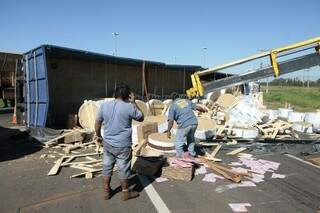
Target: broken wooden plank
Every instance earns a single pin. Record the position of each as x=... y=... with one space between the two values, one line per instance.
x=245 y=155
x=227 y=173
x=89 y=175
x=82 y=168
x=68 y=149
x=220 y=130
x=203 y=143
x=90 y=158
x=230 y=170
x=97 y=164
x=84 y=173
x=61 y=136
x=54 y=170
x=69 y=159
x=215 y=151
x=275 y=132
x=84 y=155
x=81 y=162
x=236 y=151
x=213 y=159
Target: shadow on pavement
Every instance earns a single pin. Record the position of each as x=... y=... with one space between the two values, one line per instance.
x=15 y=144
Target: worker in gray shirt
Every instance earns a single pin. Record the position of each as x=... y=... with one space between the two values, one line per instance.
x=181 y=111
x=116 y=117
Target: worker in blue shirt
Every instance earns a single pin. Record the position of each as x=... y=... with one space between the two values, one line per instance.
x=116 y=117
x=182 y=111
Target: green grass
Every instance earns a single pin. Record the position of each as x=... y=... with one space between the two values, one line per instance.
x=301 y=98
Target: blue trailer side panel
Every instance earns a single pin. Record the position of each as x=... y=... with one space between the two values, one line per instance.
x=36 y=88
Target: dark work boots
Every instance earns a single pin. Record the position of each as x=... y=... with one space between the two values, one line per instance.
x=106 y=188
x=126 y=192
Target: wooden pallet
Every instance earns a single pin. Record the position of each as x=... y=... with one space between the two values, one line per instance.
x=272 y=129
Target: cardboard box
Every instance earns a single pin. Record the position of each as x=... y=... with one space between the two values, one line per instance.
x=145 y=129
x=178 y=173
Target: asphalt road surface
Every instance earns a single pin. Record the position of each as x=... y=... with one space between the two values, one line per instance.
x=25 y=187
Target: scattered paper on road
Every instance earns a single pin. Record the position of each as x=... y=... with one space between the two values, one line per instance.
x=224 y=188
x=201 y=170
x=257 y=178
x=211 y=177
x=275 y=175
x=161 y=179
x=239 y=207
x=239 y=170
x=235 y=164
x=260 y=166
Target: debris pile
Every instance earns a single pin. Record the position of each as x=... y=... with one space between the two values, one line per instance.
x=241 y=117
x=229 y=119
x=75 y=149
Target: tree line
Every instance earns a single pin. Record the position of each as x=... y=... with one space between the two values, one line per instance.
x=293 y=82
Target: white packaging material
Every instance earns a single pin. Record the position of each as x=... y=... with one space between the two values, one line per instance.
x=296 y=116
x=201 y=170
x=245 y=112
x=163 y=127
x=211 y=177
x=204 y=134
x=314 y=119
x=239 y=207
x=275 y=175
x=302 y=127
x=284 y=112
x=245 y=132
x=273 y=114
x=135 y=134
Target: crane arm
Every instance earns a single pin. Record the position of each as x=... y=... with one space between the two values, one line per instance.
x=295 y=64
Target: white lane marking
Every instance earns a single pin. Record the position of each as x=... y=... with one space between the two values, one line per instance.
x=303 y=161
x=153 y=195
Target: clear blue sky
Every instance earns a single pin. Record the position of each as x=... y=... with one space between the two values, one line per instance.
x=160 y=30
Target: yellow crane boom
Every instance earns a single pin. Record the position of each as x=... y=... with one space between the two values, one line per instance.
x=200 y=89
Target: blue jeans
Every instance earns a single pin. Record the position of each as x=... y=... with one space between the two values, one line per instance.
x=185 y=136
x=116 y=155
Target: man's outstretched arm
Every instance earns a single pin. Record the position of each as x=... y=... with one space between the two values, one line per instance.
x=97 y=128
x=201 y=108
x=137 y=114
x=170 y=125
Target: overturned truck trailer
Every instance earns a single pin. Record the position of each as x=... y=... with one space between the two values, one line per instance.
x=9 y=65
x=57 y=80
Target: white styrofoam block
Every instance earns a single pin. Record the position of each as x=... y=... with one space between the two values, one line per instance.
x=314 y=119
x=284 y=112
x=302 y=127
x=273 y=114
x=296 y=116
x=245 y=132
x=245 y=112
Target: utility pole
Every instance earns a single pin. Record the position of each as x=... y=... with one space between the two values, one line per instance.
x=308 y=80
x=204 y=56
x=261 y=65
x=303 y=77
x=115 y=37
